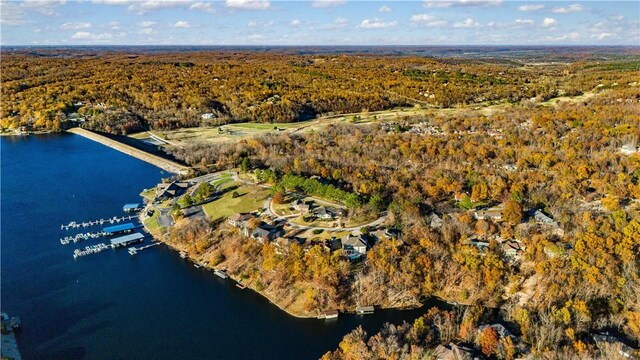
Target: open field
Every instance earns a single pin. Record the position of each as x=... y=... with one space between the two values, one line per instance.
x=250 y=199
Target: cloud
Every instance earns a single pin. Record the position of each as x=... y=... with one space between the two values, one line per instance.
x=377 y=24
x=11 y=14
x=255 y=37
x=181 y=25
x=427 y=20
x=602 y=35
x=460 y=3
x=147 y=31
x=253 y=23
x=549 y=22
x=337 y=23
x=202 y=6
x=523 y=22
x=146 y=24
x=248 y=4
x=327 y=3
x=384 y=9
x=84 y=35
x=531 y=7
x=568 y=9
x=467 y=23
x=43 y=7
x=295 y=22
x=570 y=36
x=75 y=26
x=141 y=7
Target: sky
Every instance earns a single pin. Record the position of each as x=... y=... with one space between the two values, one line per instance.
x=319 y=22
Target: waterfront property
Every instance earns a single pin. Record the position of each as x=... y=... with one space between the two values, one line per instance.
x=364 y=310
x=126 y=240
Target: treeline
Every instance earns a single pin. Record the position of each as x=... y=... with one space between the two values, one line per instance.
x=120 y=94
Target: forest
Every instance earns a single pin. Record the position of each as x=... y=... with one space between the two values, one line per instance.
x=122 y=92
x=559 y=157
x=573 y=280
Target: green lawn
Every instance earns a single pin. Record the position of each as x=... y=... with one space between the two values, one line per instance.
x=152 y=222
x=226 y=205
x=149 y=194
x=222 y=180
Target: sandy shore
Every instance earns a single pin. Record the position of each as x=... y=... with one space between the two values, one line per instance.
x=158 y=161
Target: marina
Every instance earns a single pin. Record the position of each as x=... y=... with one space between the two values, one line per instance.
x=85 y=224
x=127 y=240
x=221 y=273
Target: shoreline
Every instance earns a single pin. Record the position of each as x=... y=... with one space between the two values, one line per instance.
x=162 y=163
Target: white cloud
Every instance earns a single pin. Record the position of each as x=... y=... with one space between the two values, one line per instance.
x=146 y=24
x=427 y=20
x=84 y=35
x=114 y=25
x=111 y=2
x=549 y=22
x=202 y=6
x=337 y=23
x=147 y=31
x=523 y=22
x=467 y=23
x=248 y=4
x=602 y=35
x=570 y=36
x=377 y=24
x=384 y=9
x=255 y=37
x=460 y=3
x=568 y=9
x=141 y=7
x=327 y=3
x=75 y=26
x=11 y=14
x=253 y=23
x=181 y=25
x=295 y=22
x=531 y=7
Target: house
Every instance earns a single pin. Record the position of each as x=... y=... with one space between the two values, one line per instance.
x=542 y=218
x=493 y=213
x=238 y=220
x=332 y=244
x=324 y=213
x=611 y=344
x=208 y=116
x=261 y=234
x=168 y=191
x=452 y=352
x=354 y=246
x=301 y=206
x=436 y=221
x=511 y=248
x=480 y=245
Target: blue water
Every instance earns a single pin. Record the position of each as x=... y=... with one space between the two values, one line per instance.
x=111 y=305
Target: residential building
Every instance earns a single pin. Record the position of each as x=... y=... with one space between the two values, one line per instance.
x=493 y=213
x=238 y=220
x=173 y=189
x=453 y=352
x=354 y=246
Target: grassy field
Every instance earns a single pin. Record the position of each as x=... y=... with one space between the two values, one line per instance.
x=250 y=199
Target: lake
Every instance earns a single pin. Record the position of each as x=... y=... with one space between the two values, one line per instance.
x=111 y=305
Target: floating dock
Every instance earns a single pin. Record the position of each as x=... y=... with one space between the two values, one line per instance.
x=133 y=250
x=127 y=240
x=85 y=224
x=221 y=273
x=119 y=229
x=129 y=208
x=79 y=237
x=88 y=250
x=364 y=310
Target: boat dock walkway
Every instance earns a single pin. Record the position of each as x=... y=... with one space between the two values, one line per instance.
x=79 y=237
x=134 y=250
x=92 y=249
x=113 y=220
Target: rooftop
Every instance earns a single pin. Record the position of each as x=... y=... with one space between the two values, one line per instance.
x=118 y=228
x=126 y=239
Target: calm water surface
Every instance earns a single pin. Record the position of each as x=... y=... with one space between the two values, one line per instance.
x=115 y=306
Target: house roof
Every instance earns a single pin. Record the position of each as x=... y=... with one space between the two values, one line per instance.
x=511 y=245
x=240 y=217
x=354 y=241
x=260 y=232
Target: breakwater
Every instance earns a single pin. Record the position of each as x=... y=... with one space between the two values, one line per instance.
x=162 y=163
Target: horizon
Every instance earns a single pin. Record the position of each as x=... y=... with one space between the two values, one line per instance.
x=319 y=23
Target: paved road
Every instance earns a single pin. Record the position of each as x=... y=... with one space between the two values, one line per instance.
x=268 y=210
